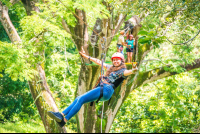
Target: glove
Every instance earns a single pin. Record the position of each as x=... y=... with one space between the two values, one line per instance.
x=134 y=69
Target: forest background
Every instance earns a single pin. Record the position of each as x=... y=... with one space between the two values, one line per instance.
x=47 y=34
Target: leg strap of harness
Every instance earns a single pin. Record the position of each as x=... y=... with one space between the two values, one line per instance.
x=101 y=92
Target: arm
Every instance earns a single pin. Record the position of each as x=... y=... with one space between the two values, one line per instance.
x=129 y=72
x=122 y=41
x=124 y=44
x=95 y=60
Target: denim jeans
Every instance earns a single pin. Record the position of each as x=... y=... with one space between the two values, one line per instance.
x=119 y=46
x=89 y=96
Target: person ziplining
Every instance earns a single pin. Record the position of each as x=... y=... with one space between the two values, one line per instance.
x=114 y=76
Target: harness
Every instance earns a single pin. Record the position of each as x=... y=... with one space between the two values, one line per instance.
x=110 y=80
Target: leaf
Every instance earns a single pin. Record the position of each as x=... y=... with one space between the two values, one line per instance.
x=142 y=33
x=144 y=40
x=151 y=26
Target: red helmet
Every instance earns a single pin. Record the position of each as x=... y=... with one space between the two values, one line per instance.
x=118 y=55
x=131 y=35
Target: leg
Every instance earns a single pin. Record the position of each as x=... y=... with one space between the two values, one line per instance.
x=128 y=55
x=131 y=55
x=89 y=96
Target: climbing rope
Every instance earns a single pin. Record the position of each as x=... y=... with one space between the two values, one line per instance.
x=103 y=56
x=102 y=116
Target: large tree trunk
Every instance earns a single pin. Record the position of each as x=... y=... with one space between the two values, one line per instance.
x=88 y=118
x=38 y=85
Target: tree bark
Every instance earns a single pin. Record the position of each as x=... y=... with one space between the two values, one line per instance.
x=38 y=86
x=7 y=24
x=30 y=6
x=89 y=121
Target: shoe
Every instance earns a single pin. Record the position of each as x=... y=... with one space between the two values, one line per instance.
x=55 y=115
x=62 y=123
x=58 y=117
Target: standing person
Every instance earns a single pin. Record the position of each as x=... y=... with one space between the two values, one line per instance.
x=121 y=42
x=130 y=46
x=114 y=76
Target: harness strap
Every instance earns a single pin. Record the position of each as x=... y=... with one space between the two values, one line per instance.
x=101 y=92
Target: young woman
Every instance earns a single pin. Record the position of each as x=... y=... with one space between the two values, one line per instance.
x=130 y=46
x=114 y=76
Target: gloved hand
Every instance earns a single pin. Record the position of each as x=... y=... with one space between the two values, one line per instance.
x=134 y=69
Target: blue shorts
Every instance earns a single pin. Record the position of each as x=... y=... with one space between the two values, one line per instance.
x=129 y=49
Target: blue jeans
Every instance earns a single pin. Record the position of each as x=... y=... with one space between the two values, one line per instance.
x=120 y=47
x=89 y=96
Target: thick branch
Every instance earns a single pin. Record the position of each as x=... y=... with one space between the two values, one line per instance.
x=98 y=28
x=160 y=73
x=30 y=6
x=7 y=24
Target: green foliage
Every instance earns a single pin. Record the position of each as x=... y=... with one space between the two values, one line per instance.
x=21 y=127
x=13 y=60
x=149 y=33
x=15 y=12
x=165 y=106
x=15 y=100
x=172 y=105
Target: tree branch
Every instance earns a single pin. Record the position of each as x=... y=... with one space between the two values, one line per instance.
x=8 y=25
x=186 y=41
x=160 y=73
x=14 y=1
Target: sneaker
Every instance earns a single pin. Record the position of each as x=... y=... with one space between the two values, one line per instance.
x=55 y=115
x=58 y=117
x=62 y=123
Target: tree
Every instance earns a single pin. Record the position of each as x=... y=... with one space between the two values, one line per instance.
x=74 y=18
x=42 y=105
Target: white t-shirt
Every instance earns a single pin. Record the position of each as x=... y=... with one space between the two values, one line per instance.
x=120 y=39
